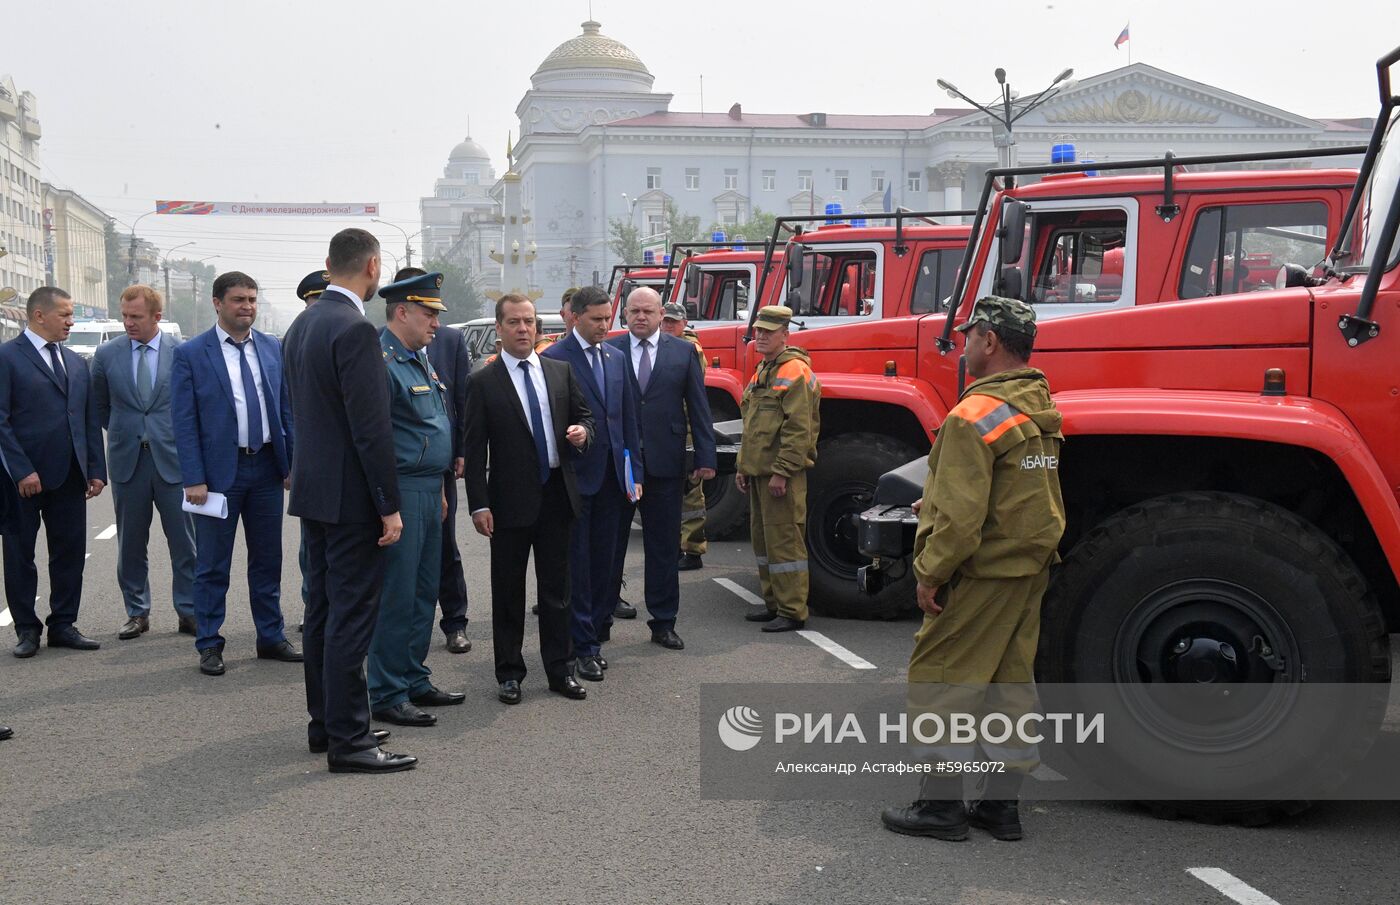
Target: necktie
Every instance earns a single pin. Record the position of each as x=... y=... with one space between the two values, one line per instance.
x=536 y=422
x=250 y=396
x=644 y=369
x=597 y=355
x=143 y=373
x=57 y=363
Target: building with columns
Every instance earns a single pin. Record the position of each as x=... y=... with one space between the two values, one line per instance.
x=75 y=235
x=460 y=203
x=597 y=144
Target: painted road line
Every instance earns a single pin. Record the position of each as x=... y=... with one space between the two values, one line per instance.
x=740 y=591
x=1230 y=886
x=108 y=533
x=1048 y=774
x=5 y=617
x=836 y=650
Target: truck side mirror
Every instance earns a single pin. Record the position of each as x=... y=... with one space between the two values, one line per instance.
x=1011 y=282
x=692 y=281
x=794 y=268
x=1012 y=232
x=692 y=311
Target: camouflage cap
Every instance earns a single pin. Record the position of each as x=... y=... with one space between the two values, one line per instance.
x=673 y=311
x=773 y=317
x=1001 y=313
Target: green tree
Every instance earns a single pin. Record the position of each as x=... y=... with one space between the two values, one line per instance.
x=756 y=229
x=681 y=227
x=625 y=241
x=190 y=312
x=117 y=251
x=460 y=294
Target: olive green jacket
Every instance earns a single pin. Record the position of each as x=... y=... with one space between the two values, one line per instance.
x=782 y=416
x=992 y=505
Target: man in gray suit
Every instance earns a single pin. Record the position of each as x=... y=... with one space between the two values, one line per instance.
x=131 y=387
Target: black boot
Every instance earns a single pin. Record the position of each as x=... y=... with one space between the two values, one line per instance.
x=939 y=812
x=997 y=812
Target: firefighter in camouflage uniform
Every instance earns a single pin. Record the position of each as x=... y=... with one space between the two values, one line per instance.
x=782 y=417
x=990 y=523
x=693 y=544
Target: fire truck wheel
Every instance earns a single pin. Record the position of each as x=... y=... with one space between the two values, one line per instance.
x=1204 y=588
x=839 y=488
x=726 y=509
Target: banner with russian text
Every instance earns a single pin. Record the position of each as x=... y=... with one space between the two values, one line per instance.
x=266 y=209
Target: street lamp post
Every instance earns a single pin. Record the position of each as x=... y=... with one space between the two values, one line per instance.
x=407 y=249
x=165 y=265
x=131 y=250
x=1009 y=113
x=194 y=294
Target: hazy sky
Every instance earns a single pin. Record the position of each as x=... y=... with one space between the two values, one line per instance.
x=311 y=100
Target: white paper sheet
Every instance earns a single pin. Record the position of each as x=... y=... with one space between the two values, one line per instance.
x=216 y=506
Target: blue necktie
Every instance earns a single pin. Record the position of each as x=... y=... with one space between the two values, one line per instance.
x=597 y=354
x=536 y=422
x=250 y=396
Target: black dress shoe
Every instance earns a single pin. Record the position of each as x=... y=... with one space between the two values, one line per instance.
x=5 y=732
x=211 y=662
x=373 y=760
x=602 y=661
x=458 y=643
x=69 y=636
x=668 y=639
x=435 y=697
x=185 y=625
x=405 y=714
x=569 y=688
x=134 y=627
x=589 y=668
x=624 y=610
x=689 y=562
x=510 y=692
x=282 y=650
x=783 y=624
x=28 y=644
x=760 y=616
x=379 y=735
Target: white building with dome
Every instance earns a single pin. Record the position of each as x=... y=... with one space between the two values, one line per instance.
x=597 y=144
x=453 y=215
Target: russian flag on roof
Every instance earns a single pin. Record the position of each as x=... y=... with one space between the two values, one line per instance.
x=1122 y=38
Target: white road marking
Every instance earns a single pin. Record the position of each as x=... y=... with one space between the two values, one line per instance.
x=1048 y=774
x=836 y=650
x=740 y=591
x=1230 y=886
x=108 y=533
x=5 y=617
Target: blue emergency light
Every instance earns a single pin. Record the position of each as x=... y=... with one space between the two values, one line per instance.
x=718 y=237
x=1062 y=153
x=858 y=219
x=648 y=257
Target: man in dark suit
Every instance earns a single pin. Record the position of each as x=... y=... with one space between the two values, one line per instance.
x=346 y=491
x=670 y=383
x=9 y=521
x=447 y=353
x=131 y=387
x=230 y=410
x=608 y=474
x=308 y=290
x=52 y=444
x=526 y=419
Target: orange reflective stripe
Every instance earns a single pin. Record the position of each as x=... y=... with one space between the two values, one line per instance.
x=976 y=407
x=1005 y=425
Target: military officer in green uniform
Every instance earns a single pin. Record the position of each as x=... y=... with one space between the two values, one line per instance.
x=693 y=544
x=990 y=523
x=782 y=417
x=399 y=678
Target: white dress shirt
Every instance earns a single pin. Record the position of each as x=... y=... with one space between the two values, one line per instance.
x=637 y=350
x=537 y=375
x=354 y=297
x=39 y=343
x=153 y=362
x=235 y=378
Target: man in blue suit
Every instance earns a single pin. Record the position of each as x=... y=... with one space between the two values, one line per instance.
x=52 y=445
x=669 y=381
x=131 y=387
x=233 y=428
x=608 y=474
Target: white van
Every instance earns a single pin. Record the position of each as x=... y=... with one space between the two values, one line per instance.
x=86 y=336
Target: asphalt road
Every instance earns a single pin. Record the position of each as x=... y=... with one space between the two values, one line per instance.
x=134 y=778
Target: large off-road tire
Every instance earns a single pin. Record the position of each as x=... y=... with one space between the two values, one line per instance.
x=1181 y=588
x=839 y=488
x=726 y=509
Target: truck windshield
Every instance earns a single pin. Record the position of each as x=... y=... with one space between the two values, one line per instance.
x=86 y=338
x=1363 y=236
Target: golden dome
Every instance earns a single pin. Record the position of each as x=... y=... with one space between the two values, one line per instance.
x=592 y=50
